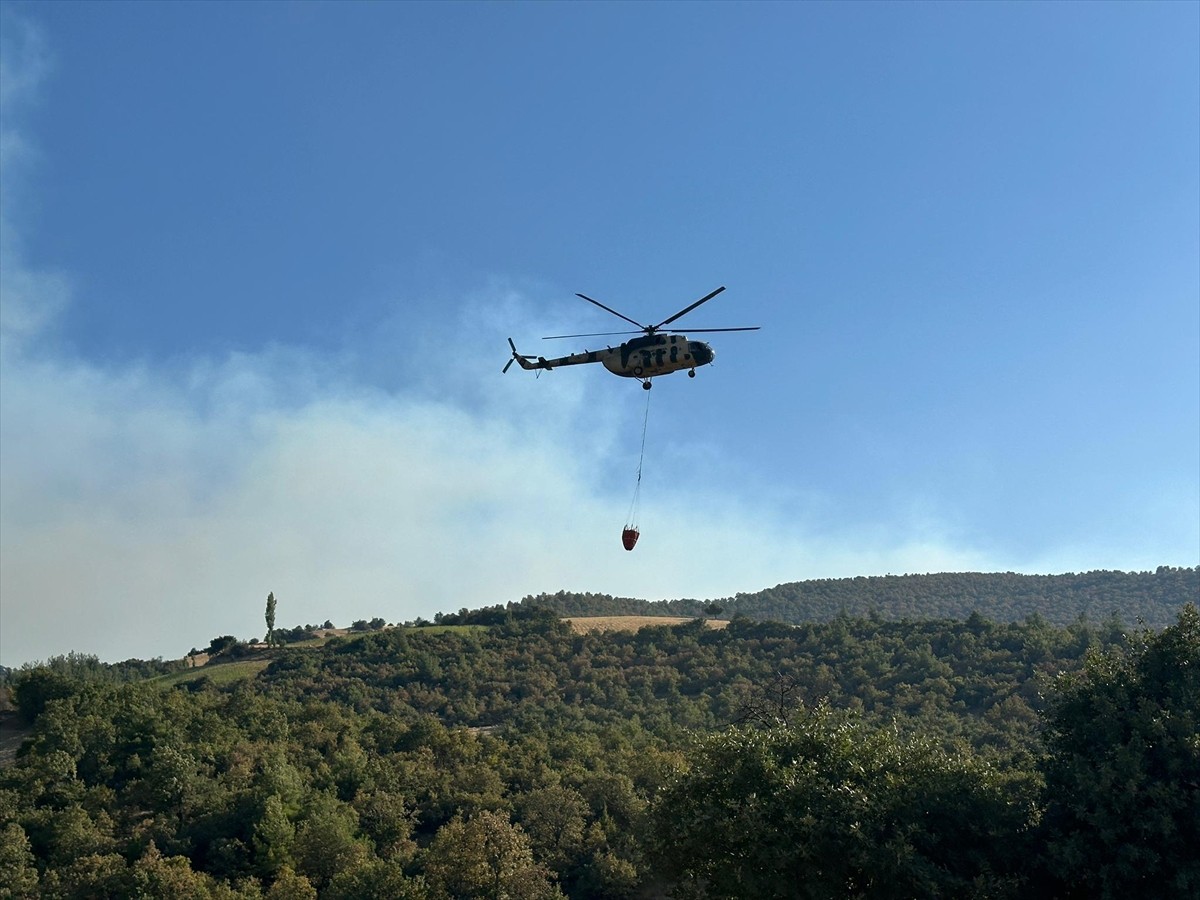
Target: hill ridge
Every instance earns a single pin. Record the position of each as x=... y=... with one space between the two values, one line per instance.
x=1153 y=598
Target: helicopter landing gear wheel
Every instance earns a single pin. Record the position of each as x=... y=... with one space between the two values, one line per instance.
x=646 y=385
x=691 y=373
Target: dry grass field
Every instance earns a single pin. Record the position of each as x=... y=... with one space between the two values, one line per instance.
x=584 y=624
x=219 y=673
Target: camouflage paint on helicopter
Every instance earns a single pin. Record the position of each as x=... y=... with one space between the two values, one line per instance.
x=643 y=357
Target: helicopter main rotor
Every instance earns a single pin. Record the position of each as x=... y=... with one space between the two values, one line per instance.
x=650 y=330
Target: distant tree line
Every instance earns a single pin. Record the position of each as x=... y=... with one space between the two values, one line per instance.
x=500 y=614
x=227 y=646
x=89 y=667
x=1154 y=598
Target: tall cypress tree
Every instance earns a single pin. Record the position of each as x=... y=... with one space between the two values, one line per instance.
x=271 y=619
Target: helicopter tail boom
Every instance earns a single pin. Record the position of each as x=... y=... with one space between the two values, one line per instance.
x=523 y=360
x=540 y=362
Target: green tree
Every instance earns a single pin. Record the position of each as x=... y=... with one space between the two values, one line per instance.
x=290 y=886
x=825 y=807
x=388 y=821
x=485 y=857
x=175 y=786
x=376 y=878
x=72 y=833
x=95 y=875
x=18 y=871
x=554 y=819
x=271 y=619
x=35 y=687
x=1123 y=771
x=273 y=838
x=220 y=645
x=155 y=875
x=327 y=840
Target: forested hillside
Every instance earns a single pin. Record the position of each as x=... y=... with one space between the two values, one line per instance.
x=858 y=757
x=1154 y=598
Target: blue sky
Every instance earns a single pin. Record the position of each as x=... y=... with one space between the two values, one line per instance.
x=260 y=262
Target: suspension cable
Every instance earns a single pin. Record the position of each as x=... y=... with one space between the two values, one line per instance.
x=637 y=491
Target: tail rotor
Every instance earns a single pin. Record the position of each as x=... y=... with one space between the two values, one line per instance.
x=515 y=356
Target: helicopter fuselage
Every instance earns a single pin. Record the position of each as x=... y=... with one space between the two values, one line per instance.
x=641 y=357
x=657 y=354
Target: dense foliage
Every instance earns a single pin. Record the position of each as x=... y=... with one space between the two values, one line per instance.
x=825 y=807
x=1123 y=770
x=1154 y=598
x=976 y=681
x=854 y=757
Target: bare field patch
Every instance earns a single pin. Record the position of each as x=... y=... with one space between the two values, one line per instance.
x=584 y=624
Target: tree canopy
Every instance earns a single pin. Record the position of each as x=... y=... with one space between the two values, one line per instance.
x=510 y=757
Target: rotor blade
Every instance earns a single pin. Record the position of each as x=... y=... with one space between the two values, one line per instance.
x=613 y=311
x=699 y=330
x=515 y=355
x=684 y=312
x=555 y=337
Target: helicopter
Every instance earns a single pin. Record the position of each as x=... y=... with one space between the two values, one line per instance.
x=656 y=352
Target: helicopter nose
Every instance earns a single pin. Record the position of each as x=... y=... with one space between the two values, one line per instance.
x=702 y=354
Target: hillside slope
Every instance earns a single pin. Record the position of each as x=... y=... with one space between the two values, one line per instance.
x=1154 y=598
